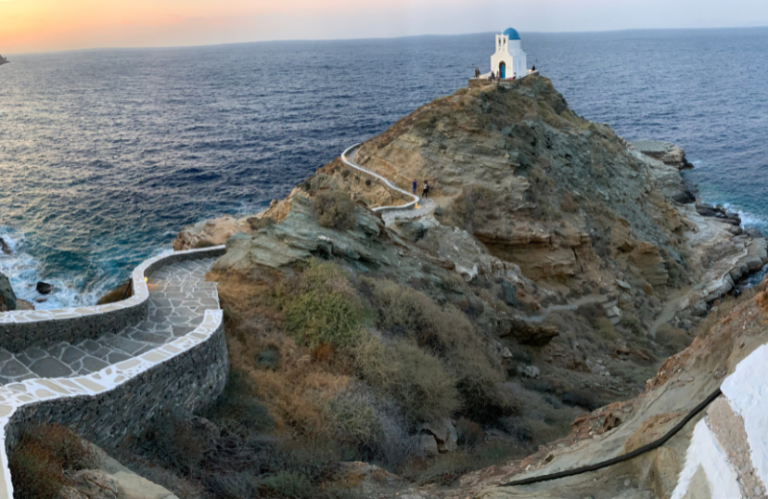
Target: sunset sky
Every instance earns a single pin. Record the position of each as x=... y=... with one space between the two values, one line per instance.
x=48 y=25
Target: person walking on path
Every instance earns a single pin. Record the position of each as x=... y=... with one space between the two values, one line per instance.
x=415 y=183
x=425 y=191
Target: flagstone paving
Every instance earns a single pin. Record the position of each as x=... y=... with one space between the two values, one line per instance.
x=178 y=298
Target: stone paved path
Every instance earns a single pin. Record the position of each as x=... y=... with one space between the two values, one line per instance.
x=178 y=298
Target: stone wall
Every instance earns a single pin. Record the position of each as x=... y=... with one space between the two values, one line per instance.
x=22 y=329
x=107 y=418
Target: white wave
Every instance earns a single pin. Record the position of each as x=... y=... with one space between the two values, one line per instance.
x=748 y=220
x=24 y=272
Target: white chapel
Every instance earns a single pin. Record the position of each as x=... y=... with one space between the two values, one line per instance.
x=509 y=59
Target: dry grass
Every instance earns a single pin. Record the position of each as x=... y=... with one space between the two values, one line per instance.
x=297 y=389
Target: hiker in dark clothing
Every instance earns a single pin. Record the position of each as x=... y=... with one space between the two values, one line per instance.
x=414 y=186
x=425 y=191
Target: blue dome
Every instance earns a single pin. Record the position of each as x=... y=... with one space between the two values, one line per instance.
x=512 y=34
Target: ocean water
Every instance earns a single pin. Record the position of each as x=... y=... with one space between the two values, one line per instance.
x=106 y=154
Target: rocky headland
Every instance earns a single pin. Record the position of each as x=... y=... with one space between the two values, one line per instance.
x=554 y=270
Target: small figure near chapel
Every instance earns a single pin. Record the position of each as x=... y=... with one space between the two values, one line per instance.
x=414 y=186
x=477 y=72
x=425 y=191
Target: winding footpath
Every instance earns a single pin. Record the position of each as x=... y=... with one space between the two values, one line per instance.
x=106 y=370
x=416 y=206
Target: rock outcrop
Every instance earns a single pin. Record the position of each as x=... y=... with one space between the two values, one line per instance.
x=112 y=480
x=7 y=296
x=666 y=152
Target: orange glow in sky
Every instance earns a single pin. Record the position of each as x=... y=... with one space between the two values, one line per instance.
x=49 y=25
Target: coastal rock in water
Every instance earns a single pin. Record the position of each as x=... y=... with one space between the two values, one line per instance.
x=665 y=152
x=7 y=296
x=4 y=248
x=44 y=288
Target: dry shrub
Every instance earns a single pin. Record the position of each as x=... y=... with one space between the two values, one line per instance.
x=672 y=339
x=582 y=398
x=632 y=324
x=448 y=333
x=374 y=429
x=567 y=203
x=39 y=462
x=469 y=433
x=592 y=312
x=335 y=210
x=605 y=330
x=288 y=484
x=722 y=307
x=470 y=209
x=417 y=381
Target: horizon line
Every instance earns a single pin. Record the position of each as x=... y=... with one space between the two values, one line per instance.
x=329 y=40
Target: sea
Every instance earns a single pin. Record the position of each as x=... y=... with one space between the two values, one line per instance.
x=106 y=154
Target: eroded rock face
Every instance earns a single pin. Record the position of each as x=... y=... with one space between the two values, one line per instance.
x=7 y=296
x=208 y=233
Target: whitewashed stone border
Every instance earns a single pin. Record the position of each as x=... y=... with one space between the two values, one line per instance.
x=415 y=199
x=175 y=360
x=21 y=329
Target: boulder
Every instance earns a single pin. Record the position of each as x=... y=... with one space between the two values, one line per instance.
x=666 y=152
x=428 y=445
x=509 y=292
x=444 y=434
x=529 y=371
x=95 y=484
x=530 y=333
x=7 y=296
x=44 y=288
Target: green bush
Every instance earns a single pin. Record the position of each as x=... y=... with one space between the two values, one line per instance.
x=335 y=210
x=417 y=381
x=323 y=307
x=317 y=317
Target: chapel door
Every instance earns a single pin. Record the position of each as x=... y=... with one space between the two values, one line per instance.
x=502 y=71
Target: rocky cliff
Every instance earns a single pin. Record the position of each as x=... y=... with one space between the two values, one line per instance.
x=579 y=260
